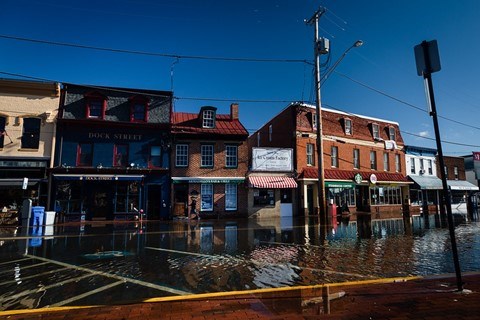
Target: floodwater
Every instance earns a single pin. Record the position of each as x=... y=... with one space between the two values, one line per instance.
x=111 y=263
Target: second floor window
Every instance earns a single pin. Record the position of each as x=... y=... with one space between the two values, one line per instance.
x=95 y=106
x=139 y=109
x=373 y=160
x=356 y=158
x=430 y=167
x=398 y=164
x=270 y=132
x=84 y=154
x=375 y=131
x=310 y=154
x=155 y=156
x=386 y=162
x=31 y=133
x=181 y=155
x=3 y=132
x=231 y=156
x=391 y=133
x=455 y=172
x=334 y=152
x=207 y=155
x=314 y=121
x=208 y=120
x=120 y=157
x=412 y=166
x=348 y=126
x=446 y=171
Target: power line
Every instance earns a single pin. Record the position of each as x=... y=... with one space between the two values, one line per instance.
x=155 y=54
x=402 y=101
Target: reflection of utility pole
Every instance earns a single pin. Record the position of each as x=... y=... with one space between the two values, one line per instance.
x=428 y=61
x=321 y=46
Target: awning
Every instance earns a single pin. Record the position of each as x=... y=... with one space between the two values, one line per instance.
x=427 y=182
x=461 y=185
x=18 y=182
x=264 y=182
x=98 y=177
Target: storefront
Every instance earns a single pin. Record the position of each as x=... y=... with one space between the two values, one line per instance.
x=425 y=193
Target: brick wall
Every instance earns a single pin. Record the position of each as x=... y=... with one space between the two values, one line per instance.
x=451 y=163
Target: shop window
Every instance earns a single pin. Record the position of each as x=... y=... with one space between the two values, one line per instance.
x=84 y=154
x=386 y=162
x=207 y=197
x=139 y=109
x=348 y=126
x=95 y=106
x=231 y=156
x=341 y=196
x=264 y=197
x=310 y=154
x=207 y=155
x=3 y=133
x=68 y=197
x=31 y=133
x=383 y=195
x=398 y=164
x=181 y=155
x=208 y=118
x=120 y=155
x=155 y=157
x=373 y=160
x=127 y=197
x=356 y=158
x=334 y=156
x=230 y=196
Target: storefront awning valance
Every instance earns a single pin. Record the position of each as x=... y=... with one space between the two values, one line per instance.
x=98 y=177
x=264 y=182
x=17 y=182
x=427 y=182
x=461 y=185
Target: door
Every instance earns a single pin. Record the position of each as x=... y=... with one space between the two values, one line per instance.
x=310 y=199
x=99 y=201
x=180 y=200
x=154 y=201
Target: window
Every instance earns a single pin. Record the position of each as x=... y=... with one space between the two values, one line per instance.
x=230 y=196
x=430 y=167
x=127 y=197
x=375 y=131
x=422 y=167
x=231 y=156
x=84 y=154
x=264 y=197
x=391 y=133
x=334 y=153
x=258 y=139
x=3 y=132
x=31 y=133
x=385 y=195
x=208 y=120
x=120 y=155
x=455 y=172
x=207 y=155
x=270 y=131
x=96 y=104
x=139 y=109
x=412 y=165
x=314 y=120
x=398 y=164
x=348 y=126
x=446 y=171
x=356 y=158
x=207 y=197
x=155 y=156
x=181 y=155
x=386 y=162
x=310 y=154
x=373 y=160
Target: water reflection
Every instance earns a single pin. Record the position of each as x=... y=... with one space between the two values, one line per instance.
x=113 y=263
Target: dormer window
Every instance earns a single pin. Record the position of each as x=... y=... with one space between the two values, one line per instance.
x=314 y=120
x=96 y=104
x=375 y=131
x=391 y=133
x=139 y=109
x=348 y=126
x=208 y=118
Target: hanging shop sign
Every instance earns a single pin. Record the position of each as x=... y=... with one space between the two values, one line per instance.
x=373 y=178
x=358 y=178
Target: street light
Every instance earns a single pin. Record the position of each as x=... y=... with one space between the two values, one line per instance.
x=357 y=44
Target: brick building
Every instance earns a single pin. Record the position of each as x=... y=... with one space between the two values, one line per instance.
x=363 y=158
x=27 y=133
x=112 y=156
x=209 y=163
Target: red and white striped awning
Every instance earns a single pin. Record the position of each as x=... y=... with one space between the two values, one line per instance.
x=271 y=182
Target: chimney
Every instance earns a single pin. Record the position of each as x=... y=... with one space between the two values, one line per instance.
x=234 y=111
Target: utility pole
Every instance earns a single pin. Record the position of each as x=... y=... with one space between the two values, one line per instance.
x=428 y=61
x=321 y=46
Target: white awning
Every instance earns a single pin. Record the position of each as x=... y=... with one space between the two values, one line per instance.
x=461 y=185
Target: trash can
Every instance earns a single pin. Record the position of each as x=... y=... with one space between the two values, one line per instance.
x=50 y=217
x=37 y=216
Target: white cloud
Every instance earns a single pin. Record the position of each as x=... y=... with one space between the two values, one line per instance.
x=424 y=134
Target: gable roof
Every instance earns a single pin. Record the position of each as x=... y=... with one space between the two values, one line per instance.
x=190 y=123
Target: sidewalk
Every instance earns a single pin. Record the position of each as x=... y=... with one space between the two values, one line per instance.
x=422 y=298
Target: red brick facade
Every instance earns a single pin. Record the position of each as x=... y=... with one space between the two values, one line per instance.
x=451 y=163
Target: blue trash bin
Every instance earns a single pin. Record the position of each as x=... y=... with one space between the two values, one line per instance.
x=37 y=216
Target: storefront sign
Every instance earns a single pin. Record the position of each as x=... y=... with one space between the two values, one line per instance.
x=373 y=178
x=358 y=178
x=272 y=159
x=201 y=180
x=339 y=184
x=114 y=136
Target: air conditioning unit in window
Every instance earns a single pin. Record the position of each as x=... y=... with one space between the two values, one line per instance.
x=422 y=171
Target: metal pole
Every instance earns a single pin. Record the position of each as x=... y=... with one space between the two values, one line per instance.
x=446 y=193
x=318 y=109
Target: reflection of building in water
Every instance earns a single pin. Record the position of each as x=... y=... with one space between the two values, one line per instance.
x=112 y=170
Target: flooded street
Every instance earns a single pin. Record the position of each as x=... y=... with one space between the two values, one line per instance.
x=112 y=263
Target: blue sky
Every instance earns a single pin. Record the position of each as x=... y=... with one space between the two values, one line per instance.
x=256 y=30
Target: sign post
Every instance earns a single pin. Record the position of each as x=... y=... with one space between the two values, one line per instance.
x=428 y=61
